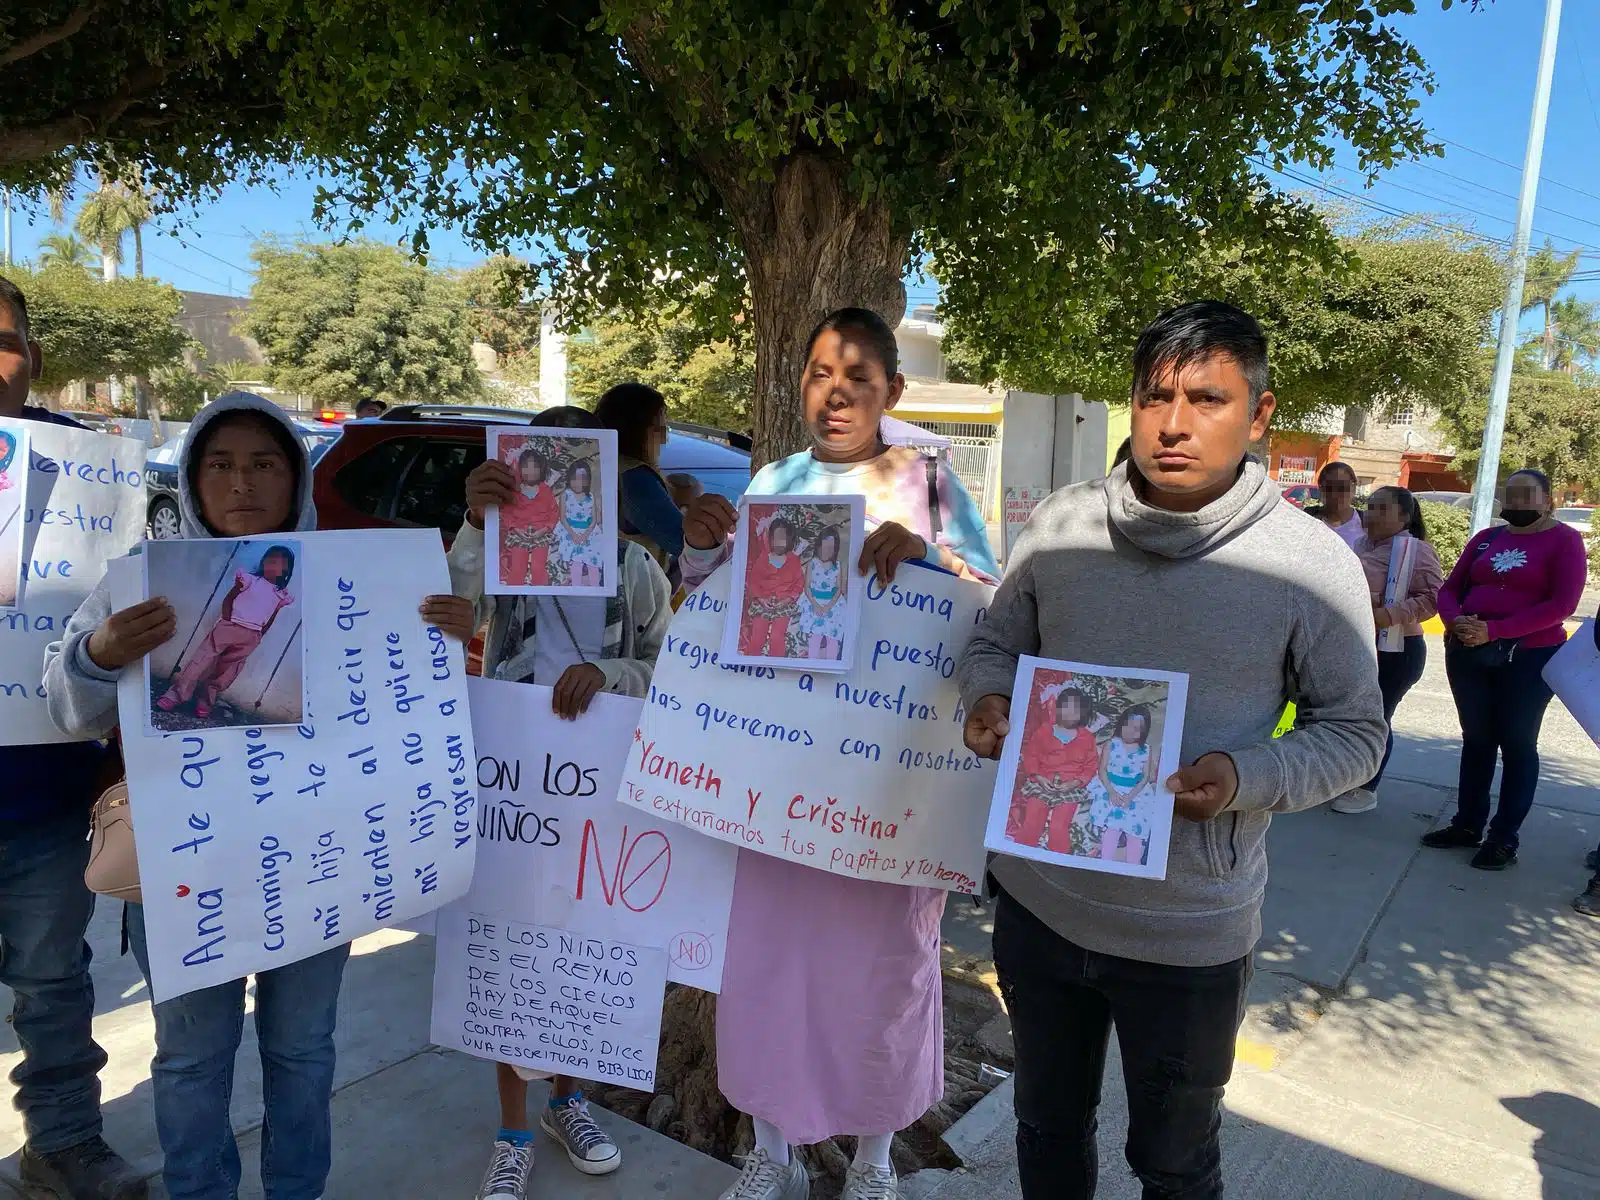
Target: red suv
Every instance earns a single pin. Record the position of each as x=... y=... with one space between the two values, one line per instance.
x=409 y=467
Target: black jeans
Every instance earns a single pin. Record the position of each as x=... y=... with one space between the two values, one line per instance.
x=1398 y=672
x=1501 y=709
x=1176 y=1027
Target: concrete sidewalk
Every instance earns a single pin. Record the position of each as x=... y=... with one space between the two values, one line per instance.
x=410 y=1120
x=1416 y=1028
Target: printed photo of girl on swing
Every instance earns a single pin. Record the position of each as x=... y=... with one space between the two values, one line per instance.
x=796 y=598
x=1081 y=779
x=559 y=535
x=238 y=658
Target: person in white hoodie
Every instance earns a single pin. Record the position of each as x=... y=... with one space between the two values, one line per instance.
x=243 y=472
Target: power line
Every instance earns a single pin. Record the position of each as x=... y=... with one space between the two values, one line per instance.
x=1514 y=167
x=189 y=270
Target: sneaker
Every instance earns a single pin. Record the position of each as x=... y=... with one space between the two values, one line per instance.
x=1452 y=837
x=1356 y=800
x=763 y=1179
x=166 y=704
x=90 y=1170
x=1589 y=902
x=509 y=1169
x=867 y=1181
x=589 y=1147
x=1494 y=857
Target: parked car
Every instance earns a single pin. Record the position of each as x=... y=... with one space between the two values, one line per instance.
x=1457 y=500
x=1579 y=517
x=409 y=467
x=164 y=521
x=1301 y=495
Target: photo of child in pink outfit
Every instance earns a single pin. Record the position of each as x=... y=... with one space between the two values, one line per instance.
x=259 y=583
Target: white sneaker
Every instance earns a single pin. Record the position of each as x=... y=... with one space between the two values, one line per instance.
x=763 y=1179
x=1356 y=800
x=588 y=1147
x=508 y=1174
x=866 y=1181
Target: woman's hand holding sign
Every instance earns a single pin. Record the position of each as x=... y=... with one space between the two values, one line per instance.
x=129 y=635
x=454 y=616
x=888 y=546
x=708 y=521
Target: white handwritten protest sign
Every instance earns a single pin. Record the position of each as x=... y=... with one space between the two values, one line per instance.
x=555 y=849
x=548 y=999
x=861 y=774
x=260 y=847
x=85 y=504
x=1573 y=673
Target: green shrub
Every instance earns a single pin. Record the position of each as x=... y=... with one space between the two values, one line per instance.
x=1448 y=530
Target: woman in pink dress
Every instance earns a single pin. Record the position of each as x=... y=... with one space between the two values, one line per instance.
x=831 y=1019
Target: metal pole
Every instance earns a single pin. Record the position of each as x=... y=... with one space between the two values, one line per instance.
x=1511 y=312
x=5 y=202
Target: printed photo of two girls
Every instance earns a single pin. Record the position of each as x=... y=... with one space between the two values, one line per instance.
x=796 y=597
x=559 y=536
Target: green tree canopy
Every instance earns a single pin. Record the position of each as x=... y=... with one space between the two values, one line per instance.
x=710 y=383
x=501 y=312
x=1399 y=318
x=91 y=329
x=760 y=159
x=345 y=322
x=1552 y=422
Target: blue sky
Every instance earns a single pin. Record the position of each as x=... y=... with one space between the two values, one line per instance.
x=1484 y=63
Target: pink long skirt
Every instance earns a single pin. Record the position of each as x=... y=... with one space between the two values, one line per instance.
x=831 y=1018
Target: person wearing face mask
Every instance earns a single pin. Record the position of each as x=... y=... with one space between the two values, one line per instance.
x=1403 y=575
x=1503 y=605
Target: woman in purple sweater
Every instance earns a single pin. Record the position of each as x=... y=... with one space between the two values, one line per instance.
x=1504 y=604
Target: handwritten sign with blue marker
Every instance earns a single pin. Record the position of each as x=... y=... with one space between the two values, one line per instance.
x=84 y=504
x=261 y=847
x=862 y=774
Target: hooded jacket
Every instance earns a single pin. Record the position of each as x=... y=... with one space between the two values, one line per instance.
x=82 y=695
x=1259 y=604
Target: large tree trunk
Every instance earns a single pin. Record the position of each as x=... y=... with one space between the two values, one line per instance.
x=138 y=251
x=810 y=247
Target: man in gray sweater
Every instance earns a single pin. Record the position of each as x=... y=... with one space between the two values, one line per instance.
x=1186 y=558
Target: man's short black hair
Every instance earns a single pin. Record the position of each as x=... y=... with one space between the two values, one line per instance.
x=11 y=296
x=371 y=402
x=1194 y=332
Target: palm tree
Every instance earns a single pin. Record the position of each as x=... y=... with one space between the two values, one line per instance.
x=1548 y=273
x=1576 y=328
x=64 y=250
x=118 y=204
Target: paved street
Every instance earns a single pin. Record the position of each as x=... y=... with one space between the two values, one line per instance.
x=1419 y=1029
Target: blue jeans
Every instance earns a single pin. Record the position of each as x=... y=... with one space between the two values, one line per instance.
x=1501 y=710
x=44 y=912
x=1176 y=1028
x=197 y=1039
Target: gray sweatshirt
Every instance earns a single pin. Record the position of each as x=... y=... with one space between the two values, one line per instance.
x=82 y=696
x=1259 y=604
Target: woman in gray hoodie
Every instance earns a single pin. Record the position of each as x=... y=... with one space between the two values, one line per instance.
x=243 y=473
